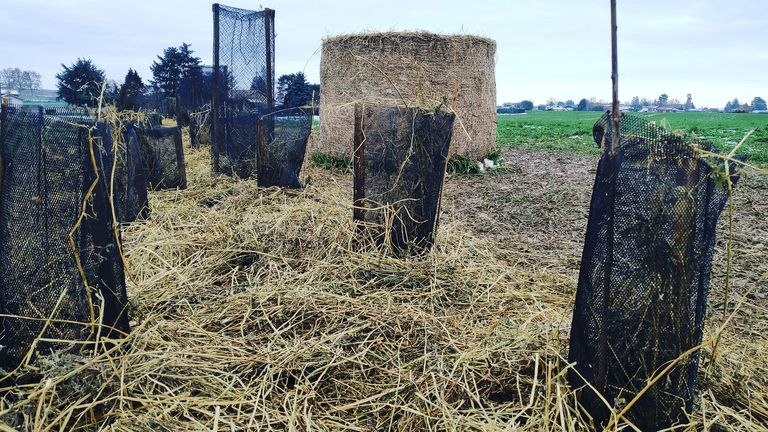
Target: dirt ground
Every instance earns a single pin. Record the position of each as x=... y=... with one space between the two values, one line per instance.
x=540 y=208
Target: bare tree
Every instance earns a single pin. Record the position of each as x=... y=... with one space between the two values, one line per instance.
x=17 y=79
x=30 y=80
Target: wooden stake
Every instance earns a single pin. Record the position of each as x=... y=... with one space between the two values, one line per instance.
x=615 y=113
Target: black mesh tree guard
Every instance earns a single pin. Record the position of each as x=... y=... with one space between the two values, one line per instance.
x=126 y=174
x=399 y=166
x=200 y=127
x=157 y=102
x=194 y=92
x=59 y=249
x=154 y=119
x=243 y=83
x=282 y=145
x=645 y=272
x=163 y=155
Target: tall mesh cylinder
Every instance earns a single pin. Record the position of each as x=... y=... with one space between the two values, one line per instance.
x=243 y=85
x=645 y=272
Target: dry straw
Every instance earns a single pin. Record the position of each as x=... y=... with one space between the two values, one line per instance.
x=253 y=311
x=417 y=70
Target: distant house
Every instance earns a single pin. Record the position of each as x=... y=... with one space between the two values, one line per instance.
x=600 y=106
x=12 y=97
x=509 y=110
x=667 y=108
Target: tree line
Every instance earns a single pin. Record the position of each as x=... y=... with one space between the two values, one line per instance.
x=83 y=83
x=637 y=104
x=21 y=80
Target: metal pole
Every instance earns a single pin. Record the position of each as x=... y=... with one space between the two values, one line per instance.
x=216 y=97
x=261 y=153
x=269 y=18
x=615 y=113
x=3 y=129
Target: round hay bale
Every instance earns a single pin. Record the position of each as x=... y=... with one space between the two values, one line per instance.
x=417 y=69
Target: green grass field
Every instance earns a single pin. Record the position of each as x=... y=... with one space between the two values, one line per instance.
x=571 y=131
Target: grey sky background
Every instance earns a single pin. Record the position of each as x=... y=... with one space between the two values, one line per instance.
x=560 y=49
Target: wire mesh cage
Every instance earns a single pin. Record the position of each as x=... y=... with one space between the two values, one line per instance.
x=200 y=127
x=645 y=271
x=163 y=155
x=195 y=91
x=399 y=166
x=282 y=145
x=156 y=102
x=154 y=119
x=243 y=85
x=125 y=173
x=60 y=264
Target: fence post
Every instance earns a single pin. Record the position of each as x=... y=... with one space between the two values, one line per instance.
x=615 y=111
x=261 y=151
x=359 y=166
x=180 y=158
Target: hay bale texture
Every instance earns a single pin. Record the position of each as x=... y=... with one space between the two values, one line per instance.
x=419 y=69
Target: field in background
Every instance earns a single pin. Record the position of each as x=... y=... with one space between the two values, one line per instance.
x=572 y=130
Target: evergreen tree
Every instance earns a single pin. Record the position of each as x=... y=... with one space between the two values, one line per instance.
x=80 y=84
x=583 y=105
x=635 y=104
x=293 y=90
x=111 y=92
x=130 y=91
x=170 y=67
x=758 y=104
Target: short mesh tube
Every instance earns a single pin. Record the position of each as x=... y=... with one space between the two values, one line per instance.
x=399 y=165
x=645 y=270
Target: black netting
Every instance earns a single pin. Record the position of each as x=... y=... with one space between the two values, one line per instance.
x=200 y=127
x=194 y=92
x=59 y=252
x=243 y=83
x=282 y=145
x=163 y=156
x=237 y=144
x=157 y=102
x=154 y=119
x=126 y=175
x=399 y=163
x=645 y=271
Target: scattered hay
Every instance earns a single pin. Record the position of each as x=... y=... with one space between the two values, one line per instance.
x=252 y=311
x=418 y=69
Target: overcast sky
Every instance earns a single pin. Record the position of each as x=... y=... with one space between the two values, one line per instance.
x=714 y=49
